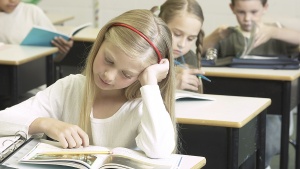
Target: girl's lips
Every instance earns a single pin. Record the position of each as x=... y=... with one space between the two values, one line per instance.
x=103 y=81
x=178 y=52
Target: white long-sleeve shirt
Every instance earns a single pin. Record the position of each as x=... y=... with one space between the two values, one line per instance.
x=15 y=26
x=142 y=122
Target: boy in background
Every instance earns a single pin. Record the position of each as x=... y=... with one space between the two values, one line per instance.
x=270 y=40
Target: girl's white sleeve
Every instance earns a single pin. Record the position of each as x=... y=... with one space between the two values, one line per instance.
x=156 y=132
x=46 y=103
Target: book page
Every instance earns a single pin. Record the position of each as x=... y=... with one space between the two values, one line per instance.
x=83 y=157
x=79 y=28
x=258 y=57
x=137 y=159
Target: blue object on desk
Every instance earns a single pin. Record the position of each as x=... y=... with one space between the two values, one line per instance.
x=41 y=37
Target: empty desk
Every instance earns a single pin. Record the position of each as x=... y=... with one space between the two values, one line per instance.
x=279 y=85
x=225 y=131
x=23 y=68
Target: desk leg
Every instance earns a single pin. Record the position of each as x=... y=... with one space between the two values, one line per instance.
x=297 y=159
x=15 y=88
x=50 y=70
x=261 y=141
x=285 y=126
x=233 y=151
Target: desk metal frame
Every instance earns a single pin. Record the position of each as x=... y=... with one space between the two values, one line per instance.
x=26 y=76
x=281 y=93
x=235 y=144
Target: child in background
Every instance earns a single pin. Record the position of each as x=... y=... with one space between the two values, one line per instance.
x=185 y=20
x=124 y=99
x=17 y=19
x=270 y=40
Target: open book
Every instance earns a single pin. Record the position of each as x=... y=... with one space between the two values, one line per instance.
x=182 y=95
x=39 y=36
x=96 y=157
x=266 y=62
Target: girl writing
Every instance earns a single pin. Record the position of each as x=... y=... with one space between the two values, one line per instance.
x=185 y=20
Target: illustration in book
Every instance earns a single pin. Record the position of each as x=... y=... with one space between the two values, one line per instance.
x=96 y=157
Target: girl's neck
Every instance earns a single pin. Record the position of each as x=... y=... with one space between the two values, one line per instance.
x=108 y=102
x=110 y=93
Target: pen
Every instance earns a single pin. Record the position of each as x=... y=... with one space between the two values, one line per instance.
x=74 y=152
x=179 y=162
x=198 y=75
x=203 y=77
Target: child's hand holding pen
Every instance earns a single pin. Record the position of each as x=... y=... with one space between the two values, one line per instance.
x=200 y=75
x=186 y=79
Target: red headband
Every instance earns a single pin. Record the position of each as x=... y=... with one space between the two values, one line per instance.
x=142 y=35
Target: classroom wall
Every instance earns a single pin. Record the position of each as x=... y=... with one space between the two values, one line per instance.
x=217 y=12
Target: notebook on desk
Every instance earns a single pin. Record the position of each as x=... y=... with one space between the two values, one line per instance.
x=182 y=95
x=266 y=62
x=39 y=36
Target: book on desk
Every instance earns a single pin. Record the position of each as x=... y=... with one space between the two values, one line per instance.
x=95 y=157
x=39 y=36
x=254 y=61
x=183 y=95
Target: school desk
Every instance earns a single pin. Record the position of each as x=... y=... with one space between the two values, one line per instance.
x=187 y=161
x=75 y=59
x=59 y=19
x=23 y=68
x=226 y=131
x=279 y=85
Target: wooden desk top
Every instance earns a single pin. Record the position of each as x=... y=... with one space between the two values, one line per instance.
x=265 y=74
x=225 y=111
x=58 y=19
x=17 y=55
x=88 y=34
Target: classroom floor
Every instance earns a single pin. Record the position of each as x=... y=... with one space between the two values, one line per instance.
x=276 y=159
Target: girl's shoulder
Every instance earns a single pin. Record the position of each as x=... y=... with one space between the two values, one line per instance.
x=72 y=80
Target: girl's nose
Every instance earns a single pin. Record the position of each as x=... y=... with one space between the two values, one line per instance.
x=109 y=76
x=181 y=43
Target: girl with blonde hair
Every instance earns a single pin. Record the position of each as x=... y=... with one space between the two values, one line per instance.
x=125 y=97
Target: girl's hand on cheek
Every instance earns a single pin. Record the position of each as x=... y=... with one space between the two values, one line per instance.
x=154 y=73
x=68 y=135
